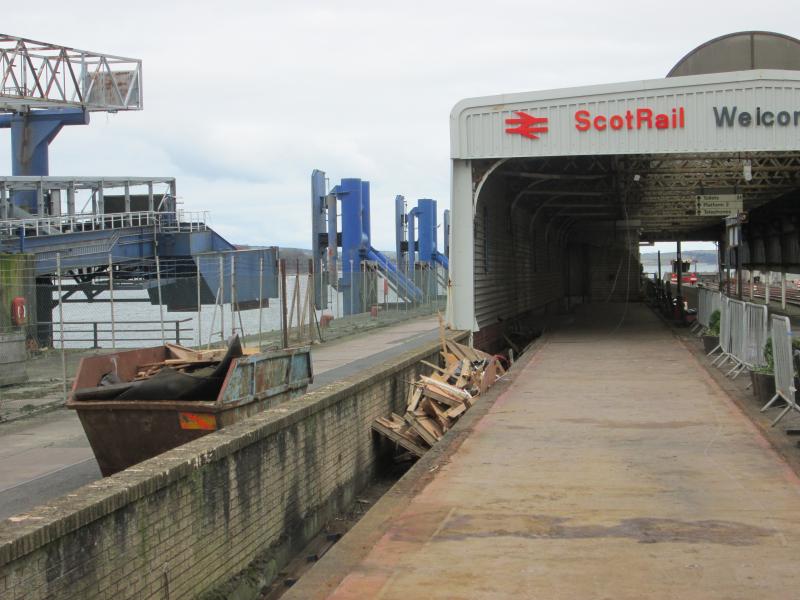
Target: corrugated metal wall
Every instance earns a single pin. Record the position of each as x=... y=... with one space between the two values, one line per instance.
x=515 y=271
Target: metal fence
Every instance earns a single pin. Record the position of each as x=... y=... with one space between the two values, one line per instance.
x=707 y=302
x=756 y=333
x=784 y=367
x=724 y=345
x=201 y=301
x=743 y=335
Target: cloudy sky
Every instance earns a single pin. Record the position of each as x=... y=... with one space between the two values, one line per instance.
x=244 y=99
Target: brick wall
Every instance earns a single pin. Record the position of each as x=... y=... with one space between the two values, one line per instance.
x=241 y=499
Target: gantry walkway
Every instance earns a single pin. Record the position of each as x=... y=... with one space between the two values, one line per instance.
x=612 y=466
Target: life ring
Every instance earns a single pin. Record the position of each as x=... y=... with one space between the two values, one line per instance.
x=19 y=311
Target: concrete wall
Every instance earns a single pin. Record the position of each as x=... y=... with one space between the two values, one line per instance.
x=241 y=499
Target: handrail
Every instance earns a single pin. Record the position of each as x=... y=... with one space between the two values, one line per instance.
x=174 y=328
x=55 y=225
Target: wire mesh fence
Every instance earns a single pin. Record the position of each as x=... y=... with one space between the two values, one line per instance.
x=48 y=321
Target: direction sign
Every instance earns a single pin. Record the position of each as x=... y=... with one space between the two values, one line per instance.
x=718 y=205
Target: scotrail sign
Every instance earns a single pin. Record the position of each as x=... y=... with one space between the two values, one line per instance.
x=722 y=112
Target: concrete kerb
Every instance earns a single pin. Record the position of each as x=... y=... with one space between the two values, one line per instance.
x=320 y=581
x=22 y=534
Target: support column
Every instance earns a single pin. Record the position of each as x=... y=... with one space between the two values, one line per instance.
x=739 y=288
x=71 y=200
x=31 y=135
x=101 y=203
x=766 y=288
x=127 y=197
x=44 y=311
x=173 y=201
x=4 y=212
x=678 y=293
x=349 y=193
x=783 y=290
x=461 y=295
x=40 y=208
x=659 y=267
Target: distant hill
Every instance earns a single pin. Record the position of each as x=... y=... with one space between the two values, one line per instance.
x=293 y=255
x=701 y=256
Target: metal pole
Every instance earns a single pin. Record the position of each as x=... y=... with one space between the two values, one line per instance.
x=160 y=303
x=352 y=285
x=296 y=295
x=739 y=289
x=783 y=290
x=260 y=294
x=199 y=308
x=61 y=329
x=233 y=294
x=680 y=274
x=221 y=298
x=284 y=308
x=752 y=284
x=720 y=265
x=766 y=287
x=311 y=294
x=111 y=293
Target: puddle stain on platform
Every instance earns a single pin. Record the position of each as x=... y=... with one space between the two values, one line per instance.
x=461 y=527
x=610 y=424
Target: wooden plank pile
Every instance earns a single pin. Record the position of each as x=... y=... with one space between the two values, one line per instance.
x=438 y=400
x=185 y=360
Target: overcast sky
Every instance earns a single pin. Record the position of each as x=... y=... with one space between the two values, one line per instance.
x=244 y=99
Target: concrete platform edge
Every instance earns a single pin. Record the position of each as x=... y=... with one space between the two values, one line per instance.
x=325 y=576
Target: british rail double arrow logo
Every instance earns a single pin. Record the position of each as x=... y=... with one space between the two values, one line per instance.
x=527 y=125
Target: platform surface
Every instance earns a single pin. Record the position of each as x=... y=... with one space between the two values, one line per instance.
x=612 y=467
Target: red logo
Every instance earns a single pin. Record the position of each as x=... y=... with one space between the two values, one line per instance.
x=527 y=125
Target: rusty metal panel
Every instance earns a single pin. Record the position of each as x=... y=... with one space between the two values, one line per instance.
x=123 y=433
x=480 y=127
x=239 y=383
x=264 y=375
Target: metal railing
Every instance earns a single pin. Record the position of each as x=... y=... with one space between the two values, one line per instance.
x=743 y=335
x=113 y=332
x=163 y=221
x=756 y=324
x=707 y=302
x=784 y=367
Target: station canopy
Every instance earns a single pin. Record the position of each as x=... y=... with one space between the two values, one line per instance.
x=671 y=157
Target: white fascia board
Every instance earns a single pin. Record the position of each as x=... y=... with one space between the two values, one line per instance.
x=613 y=92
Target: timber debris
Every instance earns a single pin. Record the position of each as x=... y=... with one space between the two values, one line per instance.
x=436 y=401
x=182 y=374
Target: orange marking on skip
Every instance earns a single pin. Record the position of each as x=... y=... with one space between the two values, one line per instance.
x=197 y=421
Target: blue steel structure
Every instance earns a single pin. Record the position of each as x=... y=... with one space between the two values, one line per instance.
x=416 y=233
x=352 y=195
x=31 y=134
